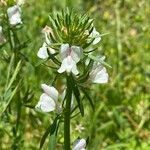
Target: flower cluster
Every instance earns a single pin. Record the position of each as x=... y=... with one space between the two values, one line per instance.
x=71 y=55
x=67 y=44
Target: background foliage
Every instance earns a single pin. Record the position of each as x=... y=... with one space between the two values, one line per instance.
x=121 y=119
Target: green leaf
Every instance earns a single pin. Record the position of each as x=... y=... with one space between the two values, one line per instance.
x=117 y=146
x=28 y=96
x=52 y=21
x=87 y=44
x=99 y=60
x=89 y=67
x=17 y=69
x=9 y=69
x=90 y=31
x=50 y=130
x=57 y=24
x=52 y=38
x=85 y=75
x=77 y=96
x=90 y=51
x=52 y=142
x=52 y=57
x=11 y=97
x=87 y=141
x=88 y=98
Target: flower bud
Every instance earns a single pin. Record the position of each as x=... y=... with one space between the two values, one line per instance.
x=47 y=31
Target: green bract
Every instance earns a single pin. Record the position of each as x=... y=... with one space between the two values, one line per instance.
x=70 y=27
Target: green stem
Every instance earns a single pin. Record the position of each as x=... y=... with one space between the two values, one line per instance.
x=67 y=114
x=16 y=60
x=13 y=44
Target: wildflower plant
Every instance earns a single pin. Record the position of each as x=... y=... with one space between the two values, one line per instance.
x=69 y=46
x=15 y=94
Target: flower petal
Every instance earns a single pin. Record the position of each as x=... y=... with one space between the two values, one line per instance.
x=42 y=53
x=64 y=50
x=76 y=53
x=52 y=51
x=74 y=69
x=97 y=40
x=79 y=144
x=46 y=103
x=68 y=65
x=96 y=36
x=50 y=91
x=14 y=15
x=63 y=66
x=101 y=75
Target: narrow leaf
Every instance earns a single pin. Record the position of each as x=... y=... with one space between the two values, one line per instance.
x=88 y=98
x=18 y=67
x=9 y=69
x=99 y=60
x=10 y=98
x=52 y=142
x=77 y=96
x=50 y=130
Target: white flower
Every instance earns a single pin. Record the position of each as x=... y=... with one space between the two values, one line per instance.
x=96 y=36
x=68 y=65
x=14 y=15
x=79 y=128
x=79 y=144
x=48 y=100
x=98 y=74
x=2 y=38
x=70 y=56
x=42 y=53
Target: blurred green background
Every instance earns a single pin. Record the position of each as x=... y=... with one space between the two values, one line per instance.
x=121 y=120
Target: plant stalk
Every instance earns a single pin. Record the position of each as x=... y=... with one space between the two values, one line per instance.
x=67 y=114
